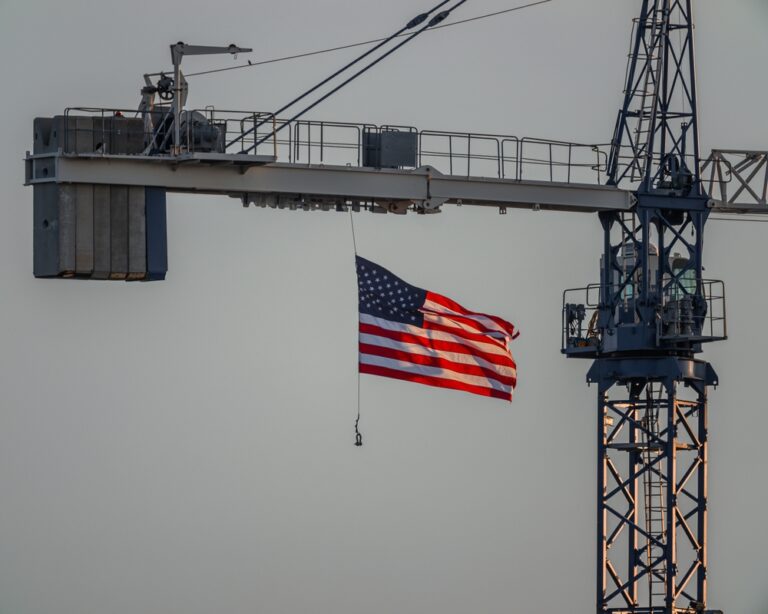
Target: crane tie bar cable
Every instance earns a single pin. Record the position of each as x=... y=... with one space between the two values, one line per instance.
x=437 y=19
x=297 y=56
x=416 y=21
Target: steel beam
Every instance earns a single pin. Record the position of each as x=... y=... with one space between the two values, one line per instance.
x=424 y=185
x=737 y=180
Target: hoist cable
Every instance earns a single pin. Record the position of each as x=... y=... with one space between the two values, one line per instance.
x=418 y=20
x=440 y=17
x=360 y=44
x=358 y=434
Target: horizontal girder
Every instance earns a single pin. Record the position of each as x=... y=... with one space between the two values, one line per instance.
x=737 y=180
x=241 y=176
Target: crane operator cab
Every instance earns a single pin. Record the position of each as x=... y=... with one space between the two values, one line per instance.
x=673 y=309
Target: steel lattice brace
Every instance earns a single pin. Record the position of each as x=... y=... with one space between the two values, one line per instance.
x=652 y=486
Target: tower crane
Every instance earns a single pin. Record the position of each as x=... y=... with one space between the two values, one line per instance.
x=100 y=179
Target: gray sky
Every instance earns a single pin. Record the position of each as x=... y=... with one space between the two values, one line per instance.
x=186 y=446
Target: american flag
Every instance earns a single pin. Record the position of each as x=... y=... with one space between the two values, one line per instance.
x=416 y=335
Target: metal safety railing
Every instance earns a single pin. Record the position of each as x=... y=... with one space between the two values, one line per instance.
x=101 y=131
x=698 y=316
x=580 y=330
x=339 y=143
x=692 y=312
x=731 y=177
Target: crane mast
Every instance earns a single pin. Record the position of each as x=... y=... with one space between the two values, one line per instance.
x=653 y=313
x=100 y=178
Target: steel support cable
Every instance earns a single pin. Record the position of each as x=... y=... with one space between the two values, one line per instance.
x=439 y=18
x=360 y=44
x=416 y=21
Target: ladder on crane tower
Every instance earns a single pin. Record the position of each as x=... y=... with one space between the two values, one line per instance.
x=654 y=493
x=655 y=26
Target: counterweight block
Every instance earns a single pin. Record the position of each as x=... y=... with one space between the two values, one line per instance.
x=92 y=231
x=95 y=231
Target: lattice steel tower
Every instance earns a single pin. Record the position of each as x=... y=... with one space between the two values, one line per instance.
x=643 y=325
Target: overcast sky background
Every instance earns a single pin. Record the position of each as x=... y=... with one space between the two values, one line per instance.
x=186 y=446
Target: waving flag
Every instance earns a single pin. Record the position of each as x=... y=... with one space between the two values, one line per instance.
x=412 y=334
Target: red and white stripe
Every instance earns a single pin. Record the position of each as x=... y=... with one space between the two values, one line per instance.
x=456 y=348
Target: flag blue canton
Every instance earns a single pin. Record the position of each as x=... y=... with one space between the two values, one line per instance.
x=384 y=295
